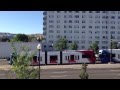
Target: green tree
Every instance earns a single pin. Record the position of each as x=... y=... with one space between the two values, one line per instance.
x=61 y=44
x=73 y=46
x=4 y=39
x=21 y=63
x=20 y=37
x=39 y=39
x=114 y=45
x=83 y=72
x=31 y=38
x=95 y=47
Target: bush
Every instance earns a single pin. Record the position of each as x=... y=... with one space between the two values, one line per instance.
x=83 y=73
x=21 y=64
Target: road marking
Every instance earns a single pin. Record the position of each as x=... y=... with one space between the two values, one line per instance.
x=59 y=76
x=60 y=72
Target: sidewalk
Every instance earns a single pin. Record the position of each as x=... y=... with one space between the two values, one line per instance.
x=74 y=66
x=78 y=66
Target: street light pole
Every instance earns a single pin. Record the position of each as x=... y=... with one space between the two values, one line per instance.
x=52 y=46
x=111 y=49
x=39 y=63
x=39 y=47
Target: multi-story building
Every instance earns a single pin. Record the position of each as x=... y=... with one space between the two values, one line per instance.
x=82 y=27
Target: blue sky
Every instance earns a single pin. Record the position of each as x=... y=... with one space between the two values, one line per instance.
x=25 y=22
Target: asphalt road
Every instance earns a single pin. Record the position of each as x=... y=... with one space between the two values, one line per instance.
x=68 y=73
x=95 y=71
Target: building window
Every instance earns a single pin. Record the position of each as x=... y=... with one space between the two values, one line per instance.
x=112 y=27
x=65 y=16
x=97 y=27
x=90 y=16
x=76 y=42
x=82 y=42
x=90 y=32
x=51 y=26
x=90 y=42
x=65 y=37
x=58 y=26
x=104 y=17
x=105 y=22
x=83 y=37
x=70 y=21
x=104 y=37
x=51 y=16
x=104 y=47
x=90 y=11
x=76 y=16
x=104 y=42
x=83 y=11
x=118 y=22
x=70 y=41
x=77 y=11
x=51 y=21
x=118 y=56
x=97 y=16
x=70 y=31
x=76 y=21
x=70 y=26
x=112 y=22
x=118 y=27
x=70 y=16
x=50 y=41
x=97 y=42
x=70 y=11
x=90 y=37
x=51 y=31
x=58 y=31
x=104 y=32
x=90 y=27
x=83 y=16
x=82 y=47
x=76 y=31
x=83 y=26
x=65 y=26
x=64 y=31
x=97 y=21
x=65 y=21
x=118 y=37
x=58 y=11
x=104 y=27
x=58 y=36
x=97 y=32
x=83 y=21
x=112 y=17
x=90 y=21
x=44 y=46
x=112 y=32
x=97 y=37
x=58 y=21
x=118 y=17
x=113 y=12
x=118 y=32
x=104 y=11
x=97 y=11
x=76 y=26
